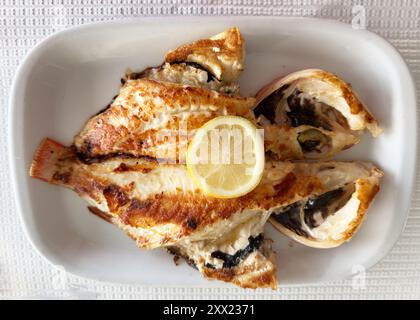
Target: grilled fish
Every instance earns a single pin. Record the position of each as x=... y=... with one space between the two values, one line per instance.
x=158 y=205
x=127 y=162
x=213 y=63
x=332 y=218
x=307 y=114
x=311 y=114
x=155 y=119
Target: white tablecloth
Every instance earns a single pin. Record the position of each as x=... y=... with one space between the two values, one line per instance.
x=23 y=23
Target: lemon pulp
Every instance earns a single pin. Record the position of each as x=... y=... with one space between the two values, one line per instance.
x=226 y=157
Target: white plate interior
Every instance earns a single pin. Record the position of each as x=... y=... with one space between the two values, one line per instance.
x=72 y=75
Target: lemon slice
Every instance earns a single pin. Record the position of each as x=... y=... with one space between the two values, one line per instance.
x=226 y=157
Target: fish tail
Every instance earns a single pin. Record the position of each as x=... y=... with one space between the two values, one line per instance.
x=45 y=159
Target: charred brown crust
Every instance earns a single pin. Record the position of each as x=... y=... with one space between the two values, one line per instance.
x=356 y=106
x=62 y=177
x=286 y=184
x=366 y=194
x=102 y=137
x=228 y=45
x=115 y=197
x=123 y=167
x=181 y=209
x=190 y=210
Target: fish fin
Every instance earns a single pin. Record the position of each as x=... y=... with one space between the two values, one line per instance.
x=45 y=158
x=101 y=214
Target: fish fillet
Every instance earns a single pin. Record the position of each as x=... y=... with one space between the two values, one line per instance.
x=158 y=205
x=155 y=119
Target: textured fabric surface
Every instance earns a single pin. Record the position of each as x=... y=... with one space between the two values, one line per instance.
x=23 y=23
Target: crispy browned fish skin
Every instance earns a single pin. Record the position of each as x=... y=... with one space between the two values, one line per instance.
x=222 y=54
x=148 y=117
x=59 y=165
x=190 y=210
x=159 y=205
x=260 y=273
x=158 y=119
x=145 y=194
